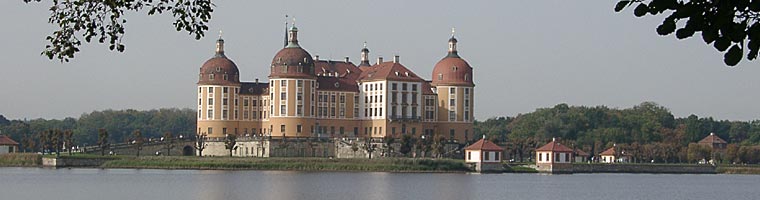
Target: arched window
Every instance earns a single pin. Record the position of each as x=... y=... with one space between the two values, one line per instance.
x=466 y=77
x=440 y=77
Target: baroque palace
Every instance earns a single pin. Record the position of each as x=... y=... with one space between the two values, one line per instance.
x=321 y=100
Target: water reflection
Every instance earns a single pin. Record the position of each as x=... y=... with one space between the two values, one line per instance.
x=39 y=183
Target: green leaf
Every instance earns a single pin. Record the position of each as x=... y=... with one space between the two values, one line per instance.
x=640 y=10
x=722 y=43
x=684 y=33
x=709 y=35
x=667 y=27
x=621 y=4
x=733 y=56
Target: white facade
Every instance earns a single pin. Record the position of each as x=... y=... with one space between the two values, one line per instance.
x=553 y=157
x=7 y=149
x=475 y=156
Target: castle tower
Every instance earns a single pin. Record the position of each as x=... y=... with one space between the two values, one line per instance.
x=292 y=87
x=218 y=89
x=452 y=80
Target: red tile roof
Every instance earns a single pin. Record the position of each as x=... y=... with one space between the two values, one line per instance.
x=327 y=83
x=341 y=68
x=580 y=152
x=427 y=89
x=484 y=144
x=392 y=71
x=252 y=88
x=555 y=147
x=608 y=152
x=712 y=139
x=5 y=140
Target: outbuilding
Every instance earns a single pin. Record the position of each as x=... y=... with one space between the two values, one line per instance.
x=554 y=158
x=485 y=155
x=7 y=145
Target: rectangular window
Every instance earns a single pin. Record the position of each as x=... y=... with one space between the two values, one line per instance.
x=403 y=86
x=282 y=128
x=224 y=90
x=283 y=96
x=300 y=110
x=210 y=101
x=451 y=133
x=414 y=87
x=299 y=83
x=452 y=90
x=342 y=99
x=224 y=114
x=224 y=101
x=245 y=102
x=452 y=116
x=282 y=110
x=469 y=155
x=210 y=130
x=210 y=114
x=298 y=128
x=394 y=86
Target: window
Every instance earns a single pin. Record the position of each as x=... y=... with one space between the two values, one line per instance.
x=342 y=99
x=200 y=101
x=225 y=77
x=452 y=116
x=556 y=157
x=224 y=130
x=298 y=128
x=451 y=133
x=540 y=157
x=498 y=157
x=224 y=101
x=282 y=110
x=403 y=86
x=210 y=130
x=469 y=155
x=440 y=77
x=342 y=130
x=211 y=77
x=283 y=96
x=299 y=83
x=224 y=90
x=414 y=87
x=452 y=102
x=245 y=102
x=452 y=90
x=210 y=114
x=283 y=83
x=394 y=86
x=224 y=114
x=210 y=101
x=210 y=90
x=282 y=128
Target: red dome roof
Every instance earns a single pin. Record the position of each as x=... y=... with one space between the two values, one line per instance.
x=292 y=62
x=452 y=70
x=219 y=70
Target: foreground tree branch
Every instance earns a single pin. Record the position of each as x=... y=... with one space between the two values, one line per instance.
x=731 y=26
x=103 y=21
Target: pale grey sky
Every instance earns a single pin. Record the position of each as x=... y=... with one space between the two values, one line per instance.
x=526 y=55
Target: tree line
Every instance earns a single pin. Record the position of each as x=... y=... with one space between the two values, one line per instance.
x=119 y=124
x=646 y=132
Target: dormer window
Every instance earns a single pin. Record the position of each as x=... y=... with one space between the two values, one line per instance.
x=396 y=73
x=305 y=60
x=454 y=68
x=218 y=69
x=225 y=77
x=466 y=77
x=406 y=74
x=211 y=77
x=440 y=77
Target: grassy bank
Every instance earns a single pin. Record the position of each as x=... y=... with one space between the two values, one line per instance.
x=738 y=169
x=20 y=160
x=299 y=164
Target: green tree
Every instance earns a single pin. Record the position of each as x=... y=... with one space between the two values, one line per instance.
x=68 y=138
x=103 y=141
x=229 y=143
x=698 y=152
x=407 y=142
x=137 y=141
x=103 y=21
x=57 y=141
x=727 y=25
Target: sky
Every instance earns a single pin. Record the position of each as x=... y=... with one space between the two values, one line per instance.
x=525 y=55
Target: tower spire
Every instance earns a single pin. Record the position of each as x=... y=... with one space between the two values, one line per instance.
x=453 y=45
x=220 y=46
x=292 y=35
x=365 y=56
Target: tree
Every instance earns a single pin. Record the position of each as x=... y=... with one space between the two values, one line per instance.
x=439 y=146
x=68 y=138
x=44 y=141
x=229 y=142
x=168 y=140
x=103 y=21
x=698 y=152
x=57 y=141
x=388 y=143
x=137 y=141
x=29 y=142
x=369 y=147
x=407 y=142
x=723 y=24
x=103 y=141
x=200 y=143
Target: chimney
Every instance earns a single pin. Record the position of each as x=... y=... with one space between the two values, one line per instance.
x=257 y=80
x=554 y=139
x=395 y=59
x=379 y=60
x=316 y=57
x=347 y=59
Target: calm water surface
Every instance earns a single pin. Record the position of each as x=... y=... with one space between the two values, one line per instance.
x=101 y=184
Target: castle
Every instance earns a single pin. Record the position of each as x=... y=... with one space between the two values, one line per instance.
x=307 y=97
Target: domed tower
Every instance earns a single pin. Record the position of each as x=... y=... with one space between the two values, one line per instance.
x=452 y=79
x=218 y=87
x=292 y=87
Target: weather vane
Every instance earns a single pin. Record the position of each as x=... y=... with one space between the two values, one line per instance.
x=452 y=32
x=220 y=34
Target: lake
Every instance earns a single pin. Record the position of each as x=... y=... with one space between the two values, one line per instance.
x=102 y=184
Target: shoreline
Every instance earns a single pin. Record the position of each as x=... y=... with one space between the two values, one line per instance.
x=306 y=164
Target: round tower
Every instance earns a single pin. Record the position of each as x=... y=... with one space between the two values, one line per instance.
x=292 y=88
x=452 y=79
x=218 y=88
